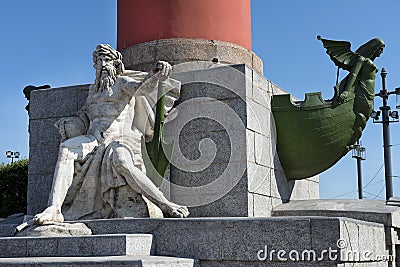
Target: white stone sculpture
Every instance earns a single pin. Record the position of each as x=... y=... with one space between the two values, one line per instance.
x=100 y=171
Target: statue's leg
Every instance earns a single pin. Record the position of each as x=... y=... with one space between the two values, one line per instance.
x=140 y=183
x=70 y=150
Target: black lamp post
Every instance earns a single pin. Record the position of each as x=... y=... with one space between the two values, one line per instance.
x=12 y=155
x=388 y=116
x=359 y=154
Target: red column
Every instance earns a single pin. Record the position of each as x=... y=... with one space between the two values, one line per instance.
x=147 y=20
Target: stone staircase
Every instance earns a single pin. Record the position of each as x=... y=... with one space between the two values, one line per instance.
x=94 y=250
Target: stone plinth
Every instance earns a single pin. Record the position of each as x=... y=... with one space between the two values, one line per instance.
x=180 y=50
x=225 y=130
x=53 y=229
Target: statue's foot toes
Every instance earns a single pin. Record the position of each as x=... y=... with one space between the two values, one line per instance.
x=49 y=215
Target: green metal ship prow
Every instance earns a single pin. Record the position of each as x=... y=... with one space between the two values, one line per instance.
x=314 y=134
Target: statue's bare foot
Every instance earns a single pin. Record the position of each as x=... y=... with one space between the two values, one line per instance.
x=175 y=211
x=49 y=215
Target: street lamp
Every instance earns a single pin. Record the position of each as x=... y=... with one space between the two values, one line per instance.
x=388 y=116
x=12 y=155
x=359 y=154
x=375 y=114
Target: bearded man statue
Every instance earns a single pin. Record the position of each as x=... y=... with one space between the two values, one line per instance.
x=100 y=171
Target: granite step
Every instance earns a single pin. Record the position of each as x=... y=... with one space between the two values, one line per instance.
x=8 y=225
x=142 y=261
x=7 y=229
x=76 y=246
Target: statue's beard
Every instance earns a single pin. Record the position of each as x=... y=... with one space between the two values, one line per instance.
x=105 y=79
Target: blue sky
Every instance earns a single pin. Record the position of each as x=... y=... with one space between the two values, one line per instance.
x=50 y=42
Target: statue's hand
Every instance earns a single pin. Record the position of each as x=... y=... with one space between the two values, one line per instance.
x=343 y=97
x=162 y=70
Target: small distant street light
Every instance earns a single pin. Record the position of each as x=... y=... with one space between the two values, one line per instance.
x=397 y=90
x=13 y=155
x=375 y=114
x=359 y=154
x=394 y=114
x=388 y=116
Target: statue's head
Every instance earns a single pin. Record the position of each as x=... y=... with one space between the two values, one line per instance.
x=108 y=64
x=372 y=49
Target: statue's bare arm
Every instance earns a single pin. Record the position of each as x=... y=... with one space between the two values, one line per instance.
x=354 y=71
x=160 y=73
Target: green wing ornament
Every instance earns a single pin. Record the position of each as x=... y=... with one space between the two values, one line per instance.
x=312 y=135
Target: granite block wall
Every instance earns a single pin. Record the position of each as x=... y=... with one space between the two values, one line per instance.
x=226 y=138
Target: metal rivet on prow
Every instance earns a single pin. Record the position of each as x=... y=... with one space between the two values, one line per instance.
x=214 y=60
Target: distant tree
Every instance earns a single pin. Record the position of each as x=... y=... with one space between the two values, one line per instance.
x=13 y=187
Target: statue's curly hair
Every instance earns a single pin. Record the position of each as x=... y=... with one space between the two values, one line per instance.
x=106 y=49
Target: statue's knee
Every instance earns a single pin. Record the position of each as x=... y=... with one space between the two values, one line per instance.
x=68 y=145
x=65 y=150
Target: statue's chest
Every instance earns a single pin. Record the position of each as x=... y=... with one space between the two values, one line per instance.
x=106 y=105
x=369 y=69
